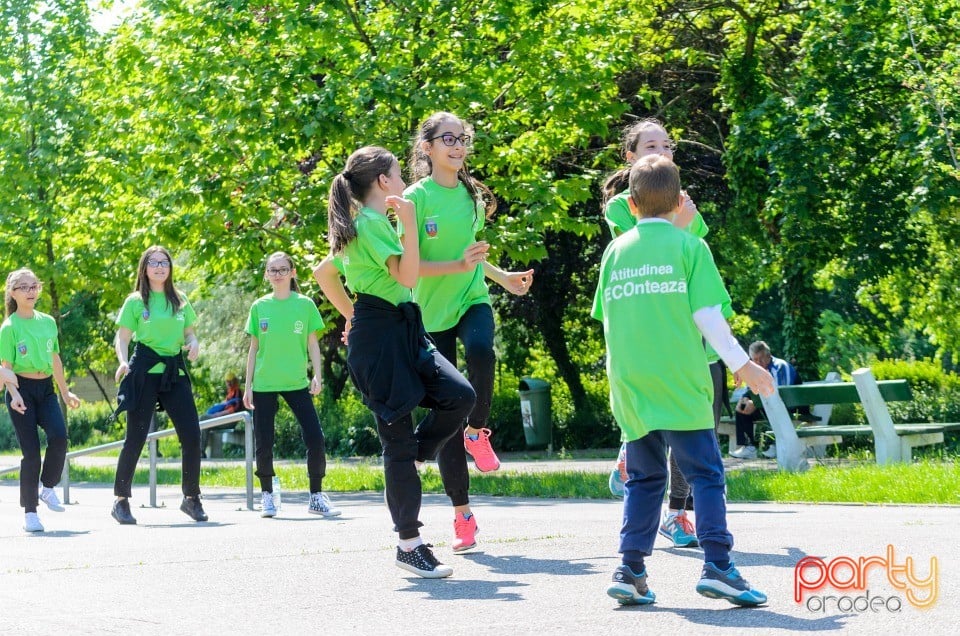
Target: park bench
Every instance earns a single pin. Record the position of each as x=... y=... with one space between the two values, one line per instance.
x=822 y=411
x=892 y=442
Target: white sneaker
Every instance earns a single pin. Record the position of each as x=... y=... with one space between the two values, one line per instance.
x=31 y=523
x=267 y=507
x=320 y=505
x=49 y=497
x=744 y=452
x=771 y=452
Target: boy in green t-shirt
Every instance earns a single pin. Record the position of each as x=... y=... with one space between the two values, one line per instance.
x=659 y=290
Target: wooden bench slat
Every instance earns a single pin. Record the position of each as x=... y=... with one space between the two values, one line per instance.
x=840 y=393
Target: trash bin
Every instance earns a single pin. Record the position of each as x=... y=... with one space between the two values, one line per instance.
x=535 y=411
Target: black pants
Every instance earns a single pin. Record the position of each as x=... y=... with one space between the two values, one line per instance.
x=264 y=416
x=43 y=411
x=450 y=399
x=475 y=331
x=179 y=405
x=680 y=493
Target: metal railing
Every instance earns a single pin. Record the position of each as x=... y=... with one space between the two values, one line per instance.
x=152 y=438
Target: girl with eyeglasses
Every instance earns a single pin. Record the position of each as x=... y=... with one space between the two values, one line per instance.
x=451 y=206
x=283 y=329
x=160 y=319
x=644 y=138
x=30 y=355
x=392 y=361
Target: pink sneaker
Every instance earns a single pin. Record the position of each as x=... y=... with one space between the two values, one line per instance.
x=482 y=452
x=465 y=530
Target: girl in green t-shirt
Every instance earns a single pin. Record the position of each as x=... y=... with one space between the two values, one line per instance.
x=644 y=138
x=392 y=362
x=283 y=330
x=160 y=319
x=30 y=355
x=452 y=291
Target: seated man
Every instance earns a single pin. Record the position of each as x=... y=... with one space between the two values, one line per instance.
x=748 y=412
x=232 y=402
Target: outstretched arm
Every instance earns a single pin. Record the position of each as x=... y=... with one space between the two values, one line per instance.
x=514 y=282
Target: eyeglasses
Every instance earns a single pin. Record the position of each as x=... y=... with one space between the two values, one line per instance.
x=29 y=288
x=449 y=139
x=278 y=271
x=163 y=263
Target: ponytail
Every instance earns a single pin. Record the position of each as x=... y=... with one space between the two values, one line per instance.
x=349 y=188
x=340 y=227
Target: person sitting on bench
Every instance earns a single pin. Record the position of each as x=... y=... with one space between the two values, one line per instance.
x=748 y=412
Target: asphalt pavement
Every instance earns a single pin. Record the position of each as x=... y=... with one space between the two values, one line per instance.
x=541 y=565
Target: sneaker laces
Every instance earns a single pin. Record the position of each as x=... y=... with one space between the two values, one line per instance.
x=685 y=523
x=424 y=552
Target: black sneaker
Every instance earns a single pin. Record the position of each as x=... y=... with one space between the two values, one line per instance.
x=193 y=508
x=630 y=588
x=421 y=562
x=121 y=512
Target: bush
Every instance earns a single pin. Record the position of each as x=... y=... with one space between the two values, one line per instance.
x=936 y=393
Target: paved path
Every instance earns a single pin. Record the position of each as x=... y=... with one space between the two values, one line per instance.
x=542 y=566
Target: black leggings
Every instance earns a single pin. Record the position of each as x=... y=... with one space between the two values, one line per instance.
x=179 y=405
x=449 y=397
x=475 y=330
x=43 y=411
x=300 y=402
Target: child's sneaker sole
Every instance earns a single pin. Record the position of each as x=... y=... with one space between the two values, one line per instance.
x=627 y=595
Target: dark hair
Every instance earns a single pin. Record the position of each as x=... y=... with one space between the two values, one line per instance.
x=143 y=282
x=654 y=185
x=294 y=285
x=350 y=187
x=421 y=166
x=13 y=278
x=620 y=180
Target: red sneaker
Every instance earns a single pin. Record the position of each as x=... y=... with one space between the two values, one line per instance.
x=464 y=530
x=481 y=450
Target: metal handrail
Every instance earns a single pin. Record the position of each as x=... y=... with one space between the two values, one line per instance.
x=152 y=445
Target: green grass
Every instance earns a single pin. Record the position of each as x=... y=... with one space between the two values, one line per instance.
x=919 y=483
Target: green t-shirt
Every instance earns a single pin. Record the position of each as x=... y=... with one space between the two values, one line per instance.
x=28 y=344
x=652 y=279
x=282 y=328
x=158 y=328
x=448 y=220
x=365 y=258
x=619 y=219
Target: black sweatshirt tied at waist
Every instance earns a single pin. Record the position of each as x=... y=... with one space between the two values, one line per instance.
x=144 y=358
x=388 y=355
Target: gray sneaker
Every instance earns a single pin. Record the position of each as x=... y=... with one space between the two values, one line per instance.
x=744 y=452
x=729 y=586
x=320 y=505
x=630 y=588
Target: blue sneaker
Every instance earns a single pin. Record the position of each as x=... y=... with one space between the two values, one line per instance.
x=619 y=473
x=616 y=483
x=677 y=527
x=729 y=586
x=629 y=588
